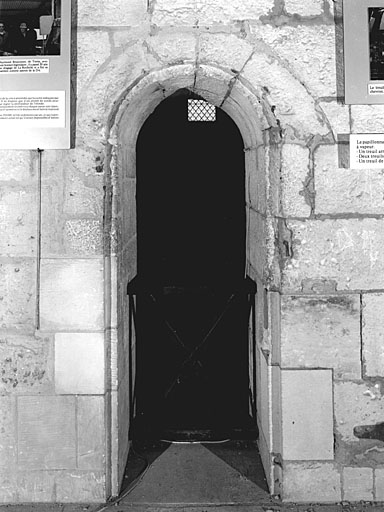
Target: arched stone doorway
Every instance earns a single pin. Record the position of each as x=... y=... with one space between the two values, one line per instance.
x=260 y=134
x=192 y=299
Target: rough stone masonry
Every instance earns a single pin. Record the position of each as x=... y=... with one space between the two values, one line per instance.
x=315 y=246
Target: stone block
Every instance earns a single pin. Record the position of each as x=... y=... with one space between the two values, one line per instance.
x=295 y=107
x=172 y=48
x=367 y=118
x=71 y=294
x=79 y=363
x=8 y=486
x=277 y=445
x=60 y=486
x=308 y=51
x=80 y=487
x=337 y=116
x=311 y=482
x=322 y=331
x=116 y=13
x=83 y=237
x=90 y=60
x=36 y=486
x=379 y=484
x=347 y=252
x=307 y=402
x=373 y=335
x=84 y=196
x=263 y=400
x=295 y=184
x=309 y=8
x=8 y=431
x=257 y=240
x=17 y=292
x=340 y=190
x=46 y=432
x=255 y=159
x=356 y=404
x=222 y=12
x=174 y=13
x=17 y=165
x=18 y=222
x=213 y=85
x=27 y=364
x=226 y=50
x=358 y=484
x=91 y=434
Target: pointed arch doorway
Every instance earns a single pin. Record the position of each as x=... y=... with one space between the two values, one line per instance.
x=193 y=301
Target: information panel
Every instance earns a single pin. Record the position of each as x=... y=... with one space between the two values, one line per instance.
x=35 y=78
x=367 y=151
x=364 y=51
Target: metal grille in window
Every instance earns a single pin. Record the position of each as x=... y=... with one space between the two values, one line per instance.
x=200 y=110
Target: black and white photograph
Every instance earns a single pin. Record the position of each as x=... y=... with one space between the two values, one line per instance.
x=30 y=28
x=376 y=42
x=363 y=50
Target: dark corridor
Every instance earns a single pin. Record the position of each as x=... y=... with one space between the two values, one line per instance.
x=193 y=301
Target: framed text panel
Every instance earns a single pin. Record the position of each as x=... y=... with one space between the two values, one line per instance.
x=364 y=51
x=35 y=78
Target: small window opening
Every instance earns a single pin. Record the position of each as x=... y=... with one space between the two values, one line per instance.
x=200 y=110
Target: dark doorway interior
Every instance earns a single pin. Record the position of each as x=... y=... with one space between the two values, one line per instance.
x=193 y=302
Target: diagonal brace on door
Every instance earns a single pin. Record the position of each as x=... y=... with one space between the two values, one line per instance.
x=195 y=351
x=172 y=329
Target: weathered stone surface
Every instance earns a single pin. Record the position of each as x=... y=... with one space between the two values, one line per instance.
x=8 y=431
x=379 y=484
x=115 y=13
x=295 y=187
x=91 y=434
x=294 y=106
x=60 y=486
x=308 y=50
x=337 y=115
x=367 y=118
x=18 y=221
x=26 y=364
x=309 y=8
x=358 y=484
x=170 y=48
x=84 y=197
x=311 y=481
x=46 y=432
x=84 y=237
x=220 y=11
x=17 y=292
x=322 y=331
x=90 y=60
x=17 y=165
x=36 y=486
x=79 y=363
x=80 y=486
x=258 y=234
x=307 y=402
x=71 y=294
x=373 y=335
x=227 y=50
x=340 y=190
x=348 y=251
x=200 y=12
x=356 y=404
x=8 y=485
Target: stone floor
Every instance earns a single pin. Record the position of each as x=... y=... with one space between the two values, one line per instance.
x=166 y=477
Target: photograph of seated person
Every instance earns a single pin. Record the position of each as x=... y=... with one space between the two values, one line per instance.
x=24 y=40
x=4 y=40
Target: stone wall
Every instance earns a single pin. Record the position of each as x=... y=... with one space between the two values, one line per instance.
x=314 y=246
